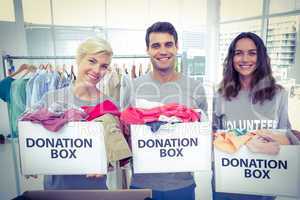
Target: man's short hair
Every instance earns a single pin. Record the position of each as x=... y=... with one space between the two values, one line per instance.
x=161 y=27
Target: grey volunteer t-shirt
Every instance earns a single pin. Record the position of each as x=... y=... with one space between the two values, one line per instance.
x=241 y=113
x=184 y=91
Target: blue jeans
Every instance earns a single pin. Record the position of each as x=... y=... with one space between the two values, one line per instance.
x=187 y=193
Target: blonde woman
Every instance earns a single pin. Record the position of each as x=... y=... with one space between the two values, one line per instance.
x=93 y=60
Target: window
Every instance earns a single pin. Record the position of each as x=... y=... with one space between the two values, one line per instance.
x=127 y=42
x=167 y=10
x=123 y=23
x=68 y=39
x=279 y=6
x=122 y=14
x=282 y=44
x=39 y=40
x=239 y=9
x=7 y=12
x=193 y=43
x=37 y=12
x=193 y=14
x=79 y=12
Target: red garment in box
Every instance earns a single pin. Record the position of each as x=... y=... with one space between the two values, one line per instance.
x=100 y=109
x=141 y=116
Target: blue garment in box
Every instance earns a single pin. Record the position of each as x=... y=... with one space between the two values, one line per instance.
x=155 y=125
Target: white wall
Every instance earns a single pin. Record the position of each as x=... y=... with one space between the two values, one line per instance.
x=8 y=182
x=13 y=42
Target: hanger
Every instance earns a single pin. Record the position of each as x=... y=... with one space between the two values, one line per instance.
x=72 y=73
x=64 y=70
x=140 y=69
x=133 y=73
x=118 y=70
x=41 y=66
x=49 y=67
x=31 y=69
x=149 y=68
x=125 y=69
x=24 y=68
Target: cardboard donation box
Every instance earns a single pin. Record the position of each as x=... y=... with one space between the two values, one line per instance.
x=257 y=173
x=78 y=148
x=181 y=147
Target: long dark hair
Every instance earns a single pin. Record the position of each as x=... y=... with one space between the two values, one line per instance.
x=262 y=86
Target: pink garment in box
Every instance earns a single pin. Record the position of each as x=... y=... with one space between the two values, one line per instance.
x=54 y=121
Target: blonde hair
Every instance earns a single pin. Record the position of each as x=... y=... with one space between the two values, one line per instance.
x=93 y=46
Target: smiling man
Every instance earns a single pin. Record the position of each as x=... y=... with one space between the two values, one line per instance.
x=162 y=48
x=162 y=86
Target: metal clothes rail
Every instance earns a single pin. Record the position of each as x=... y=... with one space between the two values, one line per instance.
x=9 y=58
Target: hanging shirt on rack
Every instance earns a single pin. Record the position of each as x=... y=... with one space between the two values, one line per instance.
x=110 y=85
x=114 y=85
x=54 y=81
x=29 y=88
x=149 y=68
x=17 y=104
x=40 y=86
x=140 y=70
x=65 y=80
x=5 y=86
x=133 y=73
